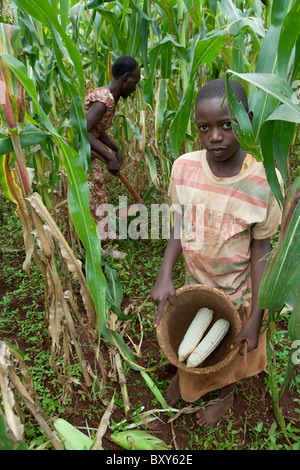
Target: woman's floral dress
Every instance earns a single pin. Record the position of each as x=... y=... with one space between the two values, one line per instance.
x=96 y=182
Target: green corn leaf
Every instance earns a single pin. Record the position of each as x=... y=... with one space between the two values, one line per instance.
x=288 y=36
x=78 y=121
x=138 y=440
x=194 y=9
x=283 y=263
x=20 y=71
x=274 y=86
x=15 y=350
x=294 y=320
x=112 y=19
x=45 y=13
x=169 y=16
x=134 y=35
x=243 y=127
x=262 y=103
x=268 y=57
x=144 y=39
x=115 y=291
x=154 y=389
x=3 y=181
x=275 y=135
x=203 y=51
x=77 y=115
x=296 y=65
x=6 y=441
x=116 y=340
x=284 y=132
x=163 y=51
x=78 y=196
x=31 y=135
x=73 y=438
x=268 y=135
x=11 y=38
x=151 y=166
x=285 y=113
x=239 y=28
x=79 y=200
x=64 y=13
x=161 y=104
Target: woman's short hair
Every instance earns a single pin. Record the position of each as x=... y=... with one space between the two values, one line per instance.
x=124 y=64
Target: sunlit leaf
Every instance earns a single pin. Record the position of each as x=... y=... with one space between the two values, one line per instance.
x=138 y=440
x=73 y=438
x=283 y=262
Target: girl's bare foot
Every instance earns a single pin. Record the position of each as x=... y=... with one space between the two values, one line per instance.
x=172 y=393
x=210 y=415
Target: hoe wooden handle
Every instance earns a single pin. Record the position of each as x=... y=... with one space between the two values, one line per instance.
x=122 y=178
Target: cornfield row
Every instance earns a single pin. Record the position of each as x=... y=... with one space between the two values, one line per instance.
x=53 y=52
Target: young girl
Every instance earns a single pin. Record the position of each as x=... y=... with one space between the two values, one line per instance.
x=240 y=215
x=99 y=107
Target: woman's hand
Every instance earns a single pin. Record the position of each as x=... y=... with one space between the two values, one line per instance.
x=113 y=166
x=119 y=155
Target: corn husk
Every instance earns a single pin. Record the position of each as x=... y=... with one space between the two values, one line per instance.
x=138 y=440
x=73 y=438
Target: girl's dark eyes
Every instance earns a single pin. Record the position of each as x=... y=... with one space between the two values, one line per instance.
x=204 y=127
x=227 y=125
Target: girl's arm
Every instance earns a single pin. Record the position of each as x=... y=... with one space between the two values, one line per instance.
x=251 y=330
x=93 y=117
x=164 y=287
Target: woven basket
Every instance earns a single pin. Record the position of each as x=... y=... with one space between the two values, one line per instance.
x=177 y=318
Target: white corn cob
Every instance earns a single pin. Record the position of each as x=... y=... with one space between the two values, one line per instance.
x=194 y=333
x=209 y=343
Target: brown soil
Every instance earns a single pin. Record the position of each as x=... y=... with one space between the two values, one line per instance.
x=253 y=403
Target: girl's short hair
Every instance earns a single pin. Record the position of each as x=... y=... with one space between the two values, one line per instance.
x=216 y=89
x=124 y=64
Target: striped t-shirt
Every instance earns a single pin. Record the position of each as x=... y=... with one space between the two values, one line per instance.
x=220 y=218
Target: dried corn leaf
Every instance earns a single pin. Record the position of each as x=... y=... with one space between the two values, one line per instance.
x=13 y=422
x=67 y=255
x=21 y=211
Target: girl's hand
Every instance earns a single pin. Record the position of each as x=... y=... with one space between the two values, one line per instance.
x=160 y=292
x=248 y=335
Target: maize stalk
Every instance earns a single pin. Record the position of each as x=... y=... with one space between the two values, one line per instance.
x=209 y=343
x=195 y=333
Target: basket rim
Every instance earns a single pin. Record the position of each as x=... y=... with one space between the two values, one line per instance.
x=200 y=370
